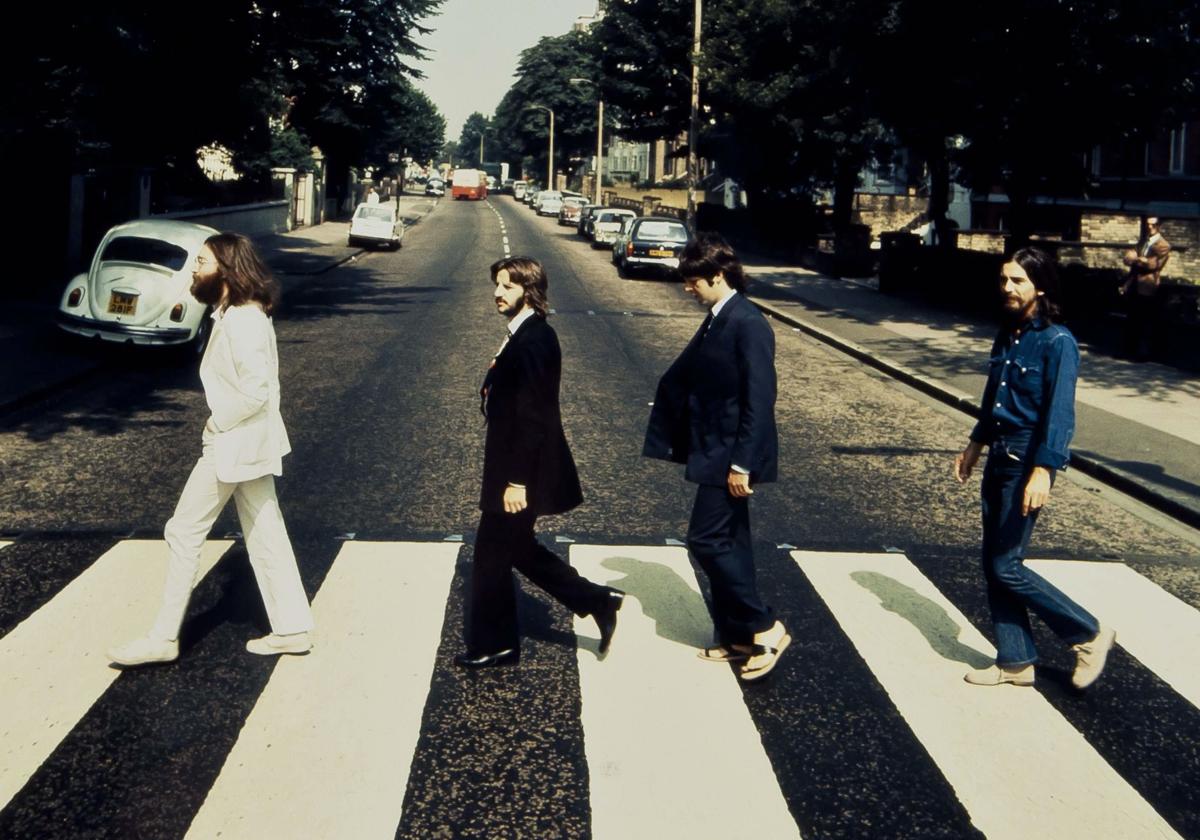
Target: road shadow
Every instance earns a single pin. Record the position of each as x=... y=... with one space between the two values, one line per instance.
x=890 y=450
x=1153 y=474
x=935 y=624
x=677 y=610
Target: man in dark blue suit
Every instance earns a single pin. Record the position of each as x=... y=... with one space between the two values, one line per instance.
x=528 y=472
x=715 y=412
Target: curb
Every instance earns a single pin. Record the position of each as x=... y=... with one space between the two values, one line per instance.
x=966 y=404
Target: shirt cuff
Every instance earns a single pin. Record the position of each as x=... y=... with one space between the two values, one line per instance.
x=1047 y=457
x=739 y=470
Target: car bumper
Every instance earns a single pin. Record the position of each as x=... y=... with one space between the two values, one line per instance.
x=657 y=262
x=123 y=333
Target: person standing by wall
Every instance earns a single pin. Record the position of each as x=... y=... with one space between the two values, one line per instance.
x=1141 y=289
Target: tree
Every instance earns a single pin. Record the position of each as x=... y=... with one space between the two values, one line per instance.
x=543 y=77
x=476 y=128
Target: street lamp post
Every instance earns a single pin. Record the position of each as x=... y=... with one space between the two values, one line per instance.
x=599 y=137
x=693 y=161
x=481 y=136
x=550 y=164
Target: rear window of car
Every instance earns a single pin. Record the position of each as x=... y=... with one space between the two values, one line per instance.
x=610 y=217
x=672 y=231
x=139 y=249
x=382 y=214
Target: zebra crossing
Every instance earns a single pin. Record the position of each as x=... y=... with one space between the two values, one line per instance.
x=324 y=745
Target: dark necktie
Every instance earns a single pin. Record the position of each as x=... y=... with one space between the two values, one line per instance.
x=708 y=319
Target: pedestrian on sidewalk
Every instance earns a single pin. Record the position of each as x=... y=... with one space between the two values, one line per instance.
x=1140 y=290
x=242 y=448
x=715 y=412
x=1026 y=422
x=528 y=472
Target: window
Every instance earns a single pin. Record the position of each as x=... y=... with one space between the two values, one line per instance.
x=137 y=249
x=667 y=231
x=381 y=214
x=1178 y=141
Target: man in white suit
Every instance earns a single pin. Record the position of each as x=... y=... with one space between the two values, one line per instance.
x=243 y=446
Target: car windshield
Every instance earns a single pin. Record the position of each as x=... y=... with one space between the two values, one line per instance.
x=382 y=214
x=138 y=249
x=670 y=231
x=612 y=217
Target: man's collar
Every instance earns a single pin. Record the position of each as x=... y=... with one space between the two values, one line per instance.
x=719 y=305
x=520 y=318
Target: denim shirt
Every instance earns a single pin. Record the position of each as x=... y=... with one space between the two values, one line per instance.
x=1030 y=392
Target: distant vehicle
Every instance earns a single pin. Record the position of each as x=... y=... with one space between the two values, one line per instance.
x=518 y=189
x=376 y=224
x=568 y=214
x=507 y=186
x=549 y=203
x=531 y=192
x=651 y=242
x=587 y=215
x=138 y=288
x=470 y=184
x=491 y=183
x=435 y=186
x=606 y=225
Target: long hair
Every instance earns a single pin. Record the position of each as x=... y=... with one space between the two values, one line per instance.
x=246 y=276
x=527 y=273
x=709 y=255
x=1043 y=271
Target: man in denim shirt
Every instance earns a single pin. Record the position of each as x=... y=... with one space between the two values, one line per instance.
x=1026 y=421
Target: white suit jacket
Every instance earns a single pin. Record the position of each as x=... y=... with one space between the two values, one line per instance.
x=240 y=372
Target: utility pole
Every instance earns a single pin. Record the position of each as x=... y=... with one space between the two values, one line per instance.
x=599 y=149
x=481 y=145
x=693 y=160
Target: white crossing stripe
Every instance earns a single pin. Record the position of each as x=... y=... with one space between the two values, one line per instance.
x=4 y=544
x=325 y=753
x=53 y=665
x=659 y=724
x=1019 y=768
x=1153 y=625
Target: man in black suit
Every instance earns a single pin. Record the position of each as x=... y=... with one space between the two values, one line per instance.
x=528 y=472
x=715 y=412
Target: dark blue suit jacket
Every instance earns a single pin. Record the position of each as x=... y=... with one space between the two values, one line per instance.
x=715 y=406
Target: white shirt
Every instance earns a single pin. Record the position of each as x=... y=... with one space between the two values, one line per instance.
x=719 y=305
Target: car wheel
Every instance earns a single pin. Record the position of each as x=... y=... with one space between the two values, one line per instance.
x=622 y=270
x=397 y=245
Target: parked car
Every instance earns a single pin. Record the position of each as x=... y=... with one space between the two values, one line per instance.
x=376 y=224
x=518 y=190
x=435 y=186
x=138 y=287
x=548 y=203
x=568 y=214
x=650 y=242
x=587 y=216
x=606 y=224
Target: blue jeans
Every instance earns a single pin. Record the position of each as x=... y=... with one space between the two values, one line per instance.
x=1013 y=589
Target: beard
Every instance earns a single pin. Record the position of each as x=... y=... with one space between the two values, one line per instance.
x=208 y=288
x=511 y=311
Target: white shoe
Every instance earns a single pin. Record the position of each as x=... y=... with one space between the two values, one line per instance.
x=999 y=675
x=1090 y=657
x=145 y=650
x=276 y=644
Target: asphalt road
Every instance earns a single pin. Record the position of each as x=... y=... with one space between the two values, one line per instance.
x=381 y=361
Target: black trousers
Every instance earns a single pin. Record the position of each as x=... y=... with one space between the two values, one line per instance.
x=505 y=541
x=719 y=538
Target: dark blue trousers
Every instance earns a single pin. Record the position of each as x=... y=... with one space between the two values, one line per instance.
x=1012 y=589
x=719 y=538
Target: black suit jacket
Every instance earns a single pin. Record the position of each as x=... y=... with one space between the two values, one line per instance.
x=525 y=441
x=715 y=406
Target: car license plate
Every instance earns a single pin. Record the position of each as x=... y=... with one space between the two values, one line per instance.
x=120 y=303
x=659 y=252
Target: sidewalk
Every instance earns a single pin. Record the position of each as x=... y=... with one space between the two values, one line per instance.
x=1137 y=425
x=42 y=359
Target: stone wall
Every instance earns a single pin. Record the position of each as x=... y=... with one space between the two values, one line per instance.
x=886 y=213
x=248 y=219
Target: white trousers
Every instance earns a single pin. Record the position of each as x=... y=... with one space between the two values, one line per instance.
x=270 y=550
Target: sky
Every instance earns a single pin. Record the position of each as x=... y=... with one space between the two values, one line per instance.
x=475 y=46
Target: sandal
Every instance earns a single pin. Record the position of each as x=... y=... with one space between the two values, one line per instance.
x=723 y=653
x=748 y=673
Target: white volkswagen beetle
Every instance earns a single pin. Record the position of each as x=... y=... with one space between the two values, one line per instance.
x=138 y=289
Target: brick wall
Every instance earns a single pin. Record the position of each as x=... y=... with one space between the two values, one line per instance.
x=1106 y=236
x=1109 y=227
x=986 y=241
x=884 y=213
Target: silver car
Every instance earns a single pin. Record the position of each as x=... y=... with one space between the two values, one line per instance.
x=607 y=225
